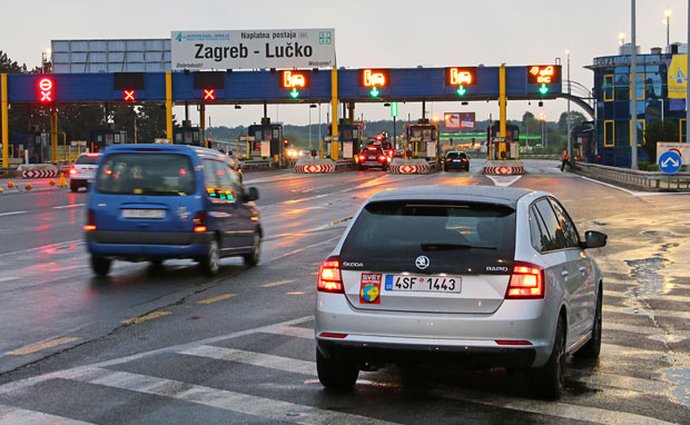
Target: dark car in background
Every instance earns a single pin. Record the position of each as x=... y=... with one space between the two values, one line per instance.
x=456 y=160
x=374 y=156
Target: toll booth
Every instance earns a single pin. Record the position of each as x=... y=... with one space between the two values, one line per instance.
x=350 y=137
x=421 y=139
x=32 y=146
x=507 y=148
x=188 y=135
x=101 y=139
x=265 y=141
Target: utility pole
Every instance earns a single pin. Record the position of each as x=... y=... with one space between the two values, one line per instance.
x=633 y=85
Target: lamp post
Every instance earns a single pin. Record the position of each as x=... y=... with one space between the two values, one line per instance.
x=569 y=142
x=633 y=86
x=667 y=21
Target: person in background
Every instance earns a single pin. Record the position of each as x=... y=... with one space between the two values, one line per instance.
x=564 y=159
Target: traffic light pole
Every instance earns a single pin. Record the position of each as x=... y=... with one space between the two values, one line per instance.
x=334 y=114
x=168 y=107
x=4 y=109
x=54 y=133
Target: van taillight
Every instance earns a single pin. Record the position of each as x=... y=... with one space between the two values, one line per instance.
x=199 y=222
x=526 y=282
x=330 y=279
x=90 y=224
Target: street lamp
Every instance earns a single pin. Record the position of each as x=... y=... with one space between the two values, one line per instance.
x=310 y=108
x=569 y=143
x=667 y=21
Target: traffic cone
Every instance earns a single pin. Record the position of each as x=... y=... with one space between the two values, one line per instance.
x=51 y=182
x=28 y=186
x=63 y=181
x=10 y=185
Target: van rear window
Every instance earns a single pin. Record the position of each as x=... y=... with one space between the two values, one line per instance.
x=146 y=174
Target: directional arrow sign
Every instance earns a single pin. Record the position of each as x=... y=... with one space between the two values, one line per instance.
x=461 y=91
x=670 y=162
x=374 y=92
x=543 y=89
x=294 y=93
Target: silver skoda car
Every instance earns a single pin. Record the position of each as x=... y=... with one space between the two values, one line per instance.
x=478 y=275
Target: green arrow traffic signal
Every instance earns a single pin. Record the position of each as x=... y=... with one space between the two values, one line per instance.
x=461 y=91
x=543 y=89
x=294 y=93
x=374 y=92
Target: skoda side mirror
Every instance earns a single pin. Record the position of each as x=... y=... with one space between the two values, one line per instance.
x=594 y=239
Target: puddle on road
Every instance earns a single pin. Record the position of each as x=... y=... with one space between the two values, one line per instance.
x=669 y=339
x=646 y=272
x=680 y=377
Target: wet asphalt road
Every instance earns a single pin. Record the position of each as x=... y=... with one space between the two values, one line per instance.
x=153 y=346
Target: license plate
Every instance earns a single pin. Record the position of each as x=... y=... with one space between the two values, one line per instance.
x=407 y=282
x=138 y=213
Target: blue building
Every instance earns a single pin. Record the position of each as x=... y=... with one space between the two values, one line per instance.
x=611 y=143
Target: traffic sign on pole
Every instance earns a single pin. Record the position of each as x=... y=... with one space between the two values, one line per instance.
x=394 y=109
x=670 y=162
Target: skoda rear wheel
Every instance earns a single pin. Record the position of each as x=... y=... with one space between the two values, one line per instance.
x=210 y=263
x=100 y=265
x=547 y=382
x=335 y=373
x=592 y=348
x=252 y=259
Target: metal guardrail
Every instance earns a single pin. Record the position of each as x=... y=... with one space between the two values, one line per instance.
x=644 y=180
x=256 y=164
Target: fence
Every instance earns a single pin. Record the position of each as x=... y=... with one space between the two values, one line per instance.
x=644 y=180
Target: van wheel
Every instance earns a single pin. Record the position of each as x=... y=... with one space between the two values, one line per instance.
x=252 y=259
x=547 y=382
x=100 y=265
x=335 y=374
x=592 y=348
x=210 y=263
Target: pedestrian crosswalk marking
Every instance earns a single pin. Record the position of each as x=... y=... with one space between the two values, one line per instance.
x=270 y=409
x=651 y=297
x=16 y=416
x=635 y=311
x=252 y=358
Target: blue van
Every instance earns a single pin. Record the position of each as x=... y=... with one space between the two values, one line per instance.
x=152 y=202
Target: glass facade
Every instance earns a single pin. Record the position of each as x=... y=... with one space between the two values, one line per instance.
x=613 y=94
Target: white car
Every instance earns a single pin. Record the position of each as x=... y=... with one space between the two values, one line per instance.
x=473 y=275
x=82 y=170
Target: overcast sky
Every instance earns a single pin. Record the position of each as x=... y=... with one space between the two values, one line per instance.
x=371 y=33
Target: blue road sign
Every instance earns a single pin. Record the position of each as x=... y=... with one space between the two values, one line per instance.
x=670 y=162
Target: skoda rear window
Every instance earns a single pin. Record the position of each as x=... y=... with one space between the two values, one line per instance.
x=463 y=234
x=87 y=160
x=146 y=174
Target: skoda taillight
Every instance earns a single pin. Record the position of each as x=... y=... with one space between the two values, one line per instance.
x=330 y=278
x=526 y=282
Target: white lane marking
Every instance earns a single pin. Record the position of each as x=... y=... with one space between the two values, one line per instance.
x=252 y=358
x=8 y=278
x=633 y=192
x=12 y=213
x=556 y=409
x=635 y=311
x=278 y=283
x=68 y=206
x=294 y=331
x=270 y=409
x=324 y=242
x=504 y=181
x=16 y=416
x=655 y=297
